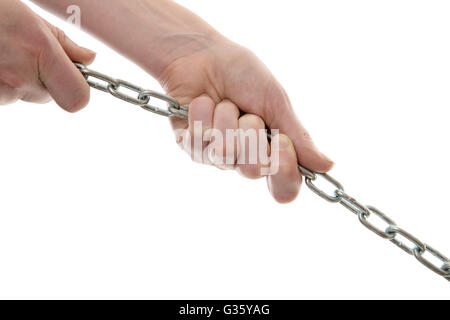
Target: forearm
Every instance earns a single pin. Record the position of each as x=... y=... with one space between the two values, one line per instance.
x=152 y=33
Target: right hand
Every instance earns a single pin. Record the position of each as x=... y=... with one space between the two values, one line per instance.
x=36 y=60
x=222 y=81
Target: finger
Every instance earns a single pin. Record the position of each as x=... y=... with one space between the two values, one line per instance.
x=196 y=138
x=280 y=115
x=226 y=122
x=253 y=147
x=285 y=184
x=75 y=52
x=64 y=82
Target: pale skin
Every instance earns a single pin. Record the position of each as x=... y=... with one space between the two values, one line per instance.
x=228 y=87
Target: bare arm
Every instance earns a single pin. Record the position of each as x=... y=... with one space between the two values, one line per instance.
x=215 y=77
x=152 y=33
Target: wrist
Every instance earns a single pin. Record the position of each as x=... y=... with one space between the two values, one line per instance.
x=175 y=45
x=171 y=32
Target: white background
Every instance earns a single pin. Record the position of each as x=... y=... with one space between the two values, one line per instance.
x=103 y=204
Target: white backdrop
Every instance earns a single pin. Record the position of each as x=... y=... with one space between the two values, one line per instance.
x=103 y=204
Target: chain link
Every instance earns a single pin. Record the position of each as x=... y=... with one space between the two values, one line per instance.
x=392 y=232
x=143 y=97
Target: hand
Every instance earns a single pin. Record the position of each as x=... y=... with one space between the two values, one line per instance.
x=36 y=60
x=215 y=77
x=219 y=81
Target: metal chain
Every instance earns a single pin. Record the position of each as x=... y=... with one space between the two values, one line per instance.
x=392 y=232
x=142 y=99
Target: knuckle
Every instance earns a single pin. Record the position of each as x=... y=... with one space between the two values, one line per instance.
x=252 y=121
x=200 y=107
x=228 y=107
x=59 y=35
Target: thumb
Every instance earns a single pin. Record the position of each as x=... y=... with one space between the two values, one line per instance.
x=64 y=82
x=283 y=117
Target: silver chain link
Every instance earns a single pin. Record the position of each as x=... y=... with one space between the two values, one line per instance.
x=392 y=232
x=142 y=99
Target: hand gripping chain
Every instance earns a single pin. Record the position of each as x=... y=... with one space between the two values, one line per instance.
x=392 y=232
